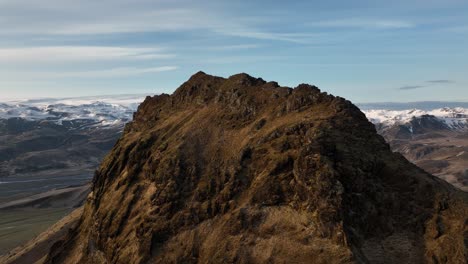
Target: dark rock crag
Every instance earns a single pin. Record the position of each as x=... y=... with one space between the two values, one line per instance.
x=240 y=170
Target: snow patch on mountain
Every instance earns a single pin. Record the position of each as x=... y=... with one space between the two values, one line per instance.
x=101 y=110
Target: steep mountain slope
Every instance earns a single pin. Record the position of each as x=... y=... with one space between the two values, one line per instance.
x=240 y=170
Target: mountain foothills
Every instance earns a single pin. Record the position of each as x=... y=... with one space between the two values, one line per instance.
x=241 y=170
x=435 y=140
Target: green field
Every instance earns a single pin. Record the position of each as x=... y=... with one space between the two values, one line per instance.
x=19 y=226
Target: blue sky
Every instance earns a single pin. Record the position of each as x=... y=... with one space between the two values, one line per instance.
x=366 y=51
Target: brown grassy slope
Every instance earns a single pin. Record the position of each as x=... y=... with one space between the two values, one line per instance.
x=240 y=170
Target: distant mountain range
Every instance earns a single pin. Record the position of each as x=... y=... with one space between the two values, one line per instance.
x=116 y=110
x=113 y=110
x=451 y=118
x=433 y=135
x=424 y=105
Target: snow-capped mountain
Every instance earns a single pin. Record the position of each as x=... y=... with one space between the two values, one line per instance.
x=96 y=111
x=452 y=118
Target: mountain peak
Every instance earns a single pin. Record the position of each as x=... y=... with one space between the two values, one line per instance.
x=243 y=96
x=198 y=75
x=239 y=170
x=245 y=79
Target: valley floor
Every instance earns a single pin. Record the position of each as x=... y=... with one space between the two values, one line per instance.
x=21 y=225
x=23 y=219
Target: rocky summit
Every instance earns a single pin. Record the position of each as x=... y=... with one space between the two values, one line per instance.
x=241 y=170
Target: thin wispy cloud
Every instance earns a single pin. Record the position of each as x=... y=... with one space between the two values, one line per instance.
x=428 y=84
x=364 y=23
x=79 y=54
x=126 y=17
x=83 y=17
x=165 y=20
x=411 y=87
x=235 y=47
x=100 y=73
x=440 y=81
x=264 y=35
x=113 y=73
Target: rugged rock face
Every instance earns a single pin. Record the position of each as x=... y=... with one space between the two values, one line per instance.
x=240 y=170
